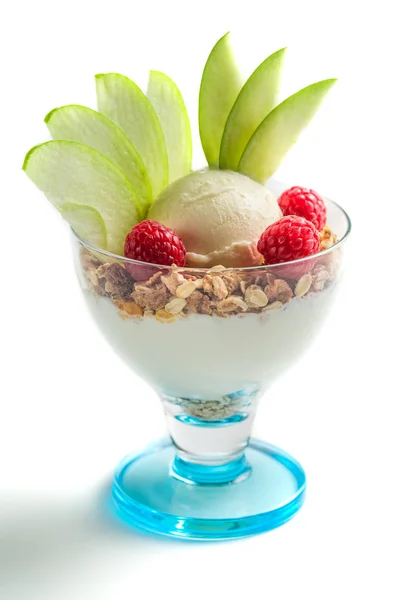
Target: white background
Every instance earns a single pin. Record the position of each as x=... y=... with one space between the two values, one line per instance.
x=70 y=410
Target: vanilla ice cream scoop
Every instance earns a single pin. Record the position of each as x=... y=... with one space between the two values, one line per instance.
x=219 y=216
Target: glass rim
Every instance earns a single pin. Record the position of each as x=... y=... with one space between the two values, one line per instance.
x=118 y=257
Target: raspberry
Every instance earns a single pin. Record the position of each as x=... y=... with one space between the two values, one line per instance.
x=288 y=239
x=304 y=203
x=152 y=242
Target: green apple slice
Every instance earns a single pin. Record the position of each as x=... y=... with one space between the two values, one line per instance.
x=122 y=101
x=256 y=99
x=70 y=172
x=168 y=103
x=86 y=126
x=220 y=85
x=87 y=222
x=280 y=130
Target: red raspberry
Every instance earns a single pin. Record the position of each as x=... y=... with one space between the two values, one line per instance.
x=151 y=242
x=304 y=203
x=289 y=239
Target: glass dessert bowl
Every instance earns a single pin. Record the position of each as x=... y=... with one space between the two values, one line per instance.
x=210 y=342
x=150 y=238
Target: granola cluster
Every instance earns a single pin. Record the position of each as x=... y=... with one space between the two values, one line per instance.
x=211 y=410
x=170 y=293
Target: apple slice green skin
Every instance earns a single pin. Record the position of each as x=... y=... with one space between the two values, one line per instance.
x=255 y=101
x=280 y=130
x=70 y=172
x=220 y=85
x=86 y=126
x=170 y=108
x=122 y=101
x=87 y=222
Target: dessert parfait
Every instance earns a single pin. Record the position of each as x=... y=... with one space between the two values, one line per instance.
x=208 y=283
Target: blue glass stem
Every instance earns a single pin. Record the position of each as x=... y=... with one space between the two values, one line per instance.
x=210 y=437
x=230 y=472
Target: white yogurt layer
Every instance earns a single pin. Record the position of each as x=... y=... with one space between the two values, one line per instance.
x=204 y=357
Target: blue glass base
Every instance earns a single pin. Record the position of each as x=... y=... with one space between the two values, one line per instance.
x=154 y=491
